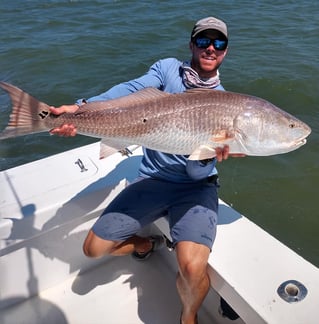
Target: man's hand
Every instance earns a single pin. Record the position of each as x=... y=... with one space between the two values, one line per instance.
x=222 y=153
x=65 y=129
x=64 y=109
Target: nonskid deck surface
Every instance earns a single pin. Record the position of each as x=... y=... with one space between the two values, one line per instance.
x=120 y=290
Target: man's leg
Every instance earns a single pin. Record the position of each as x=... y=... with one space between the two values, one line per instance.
x=114 y=231
x=96 y=247
x=192 y=279
x=135 y=207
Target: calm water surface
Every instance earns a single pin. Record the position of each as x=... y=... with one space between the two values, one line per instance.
x=63 y=50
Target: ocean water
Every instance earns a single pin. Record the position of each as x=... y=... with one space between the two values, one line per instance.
x=63 y=50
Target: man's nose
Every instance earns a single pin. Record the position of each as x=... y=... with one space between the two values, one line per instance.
x=210 y=48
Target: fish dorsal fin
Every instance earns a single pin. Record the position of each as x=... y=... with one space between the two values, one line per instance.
x=141 y=96
x=199 y=90
x=149 y=93
x=203 y=152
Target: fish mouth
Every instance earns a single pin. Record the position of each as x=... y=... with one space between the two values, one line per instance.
x=303 y=139
x=301 y=142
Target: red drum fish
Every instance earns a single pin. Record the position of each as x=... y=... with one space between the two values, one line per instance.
x=190 y=123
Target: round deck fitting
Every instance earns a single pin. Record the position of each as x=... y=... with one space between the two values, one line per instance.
x=292 y=291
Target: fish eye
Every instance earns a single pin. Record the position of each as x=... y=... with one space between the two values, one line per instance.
x=292 y=125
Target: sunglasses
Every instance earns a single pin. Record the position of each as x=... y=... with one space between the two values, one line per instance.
x=204 y=42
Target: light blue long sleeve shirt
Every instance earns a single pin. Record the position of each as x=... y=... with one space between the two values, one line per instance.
x=165 y=75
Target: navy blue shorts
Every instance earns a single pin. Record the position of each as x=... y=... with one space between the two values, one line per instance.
x=191 y=209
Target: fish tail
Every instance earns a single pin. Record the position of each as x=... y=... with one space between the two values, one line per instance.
x=28 y=114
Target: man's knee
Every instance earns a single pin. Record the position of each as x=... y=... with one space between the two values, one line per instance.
x=193 y=271
x=95 y=247
x=89 y=251
x=192 y=260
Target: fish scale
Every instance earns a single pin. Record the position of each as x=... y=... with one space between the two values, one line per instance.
x=191 y=123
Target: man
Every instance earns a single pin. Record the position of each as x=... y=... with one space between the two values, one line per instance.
x=183 y=190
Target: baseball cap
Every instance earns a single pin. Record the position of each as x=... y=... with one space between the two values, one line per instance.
x=209 y=23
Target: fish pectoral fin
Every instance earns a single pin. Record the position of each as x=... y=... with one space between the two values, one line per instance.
x=107 y=150
x=203 y=152
x=222 y=136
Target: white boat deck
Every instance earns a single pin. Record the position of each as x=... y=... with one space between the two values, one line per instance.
x=44 y=217
x=120 y=290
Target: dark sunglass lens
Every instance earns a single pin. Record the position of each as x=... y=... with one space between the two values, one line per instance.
x=220 y=44
x=202 y=42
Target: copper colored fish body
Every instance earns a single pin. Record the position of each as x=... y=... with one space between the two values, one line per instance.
x=190 y=123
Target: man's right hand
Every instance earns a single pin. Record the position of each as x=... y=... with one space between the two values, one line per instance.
x=65 y=129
